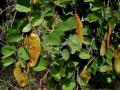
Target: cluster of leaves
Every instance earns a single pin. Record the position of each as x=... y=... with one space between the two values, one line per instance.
x=77 y=39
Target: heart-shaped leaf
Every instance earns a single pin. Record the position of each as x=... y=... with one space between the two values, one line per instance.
x=8 y=61
x=23 y=53
x=41 y=65
x=8 y=50
x=22 y=8
x=84 y=54
x=27 y=28
x=74 y=43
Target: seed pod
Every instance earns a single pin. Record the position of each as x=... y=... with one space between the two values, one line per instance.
x=22 y=79
x=34 y=47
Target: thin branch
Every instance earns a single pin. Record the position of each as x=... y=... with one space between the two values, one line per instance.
x=2 y=43
x=13 y=18
x=91 y=45
x=6 y=9
x=47 y=72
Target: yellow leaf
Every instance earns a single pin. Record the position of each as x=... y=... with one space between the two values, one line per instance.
x=79 y=30
x=117 y=61
x=22 y=79
x=106 y=41
x=103 y=48
x=33 y=44
x=34 y=1
x=39 y=88
x=109 y=34
x=85 y=74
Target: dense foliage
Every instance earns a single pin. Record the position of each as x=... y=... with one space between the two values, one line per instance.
x=59 y=44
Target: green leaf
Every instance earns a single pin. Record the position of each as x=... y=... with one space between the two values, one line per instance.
x=56 y=72
x=67 y=25
x=112 y=22
x=52 y=40
x=23 y=53
x=103 y=68
x=8 y=50
x=63 y=73
x=74 y=43
x=7 y=61
x=95 y=8
x=84 y=54
x=107 y=11
x=75 y=63
x=22 y=8
x=69 y=75
x=109 y=79
x=109 y=54
x=15 y=38
x=36 y=21
x=89 y=0
x=65 y=54
x=57 y=33
x=93 y=17
x=93 y=66
x=27 y=28
x=95 y=45
x=62 y=3
x=68 y=85
x=86 y=30
x=41 y=65
x=87 y=41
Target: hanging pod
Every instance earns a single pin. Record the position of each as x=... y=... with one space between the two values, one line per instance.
x=22 y=79
x=33 y=44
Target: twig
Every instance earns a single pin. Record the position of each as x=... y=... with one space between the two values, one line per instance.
x=8 y=84
x=64 y=43
x=2 y=43
x=91 y=45
x=13 y=18
x=6 y=9
x=45 y=75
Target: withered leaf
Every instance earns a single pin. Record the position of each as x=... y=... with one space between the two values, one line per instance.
x=85 y=74
x=103 y=48
x=106 y=41
x=109 y=34
x=34 y=1
x=79 y=30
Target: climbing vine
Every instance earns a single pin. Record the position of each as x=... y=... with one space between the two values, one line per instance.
x=60 y=44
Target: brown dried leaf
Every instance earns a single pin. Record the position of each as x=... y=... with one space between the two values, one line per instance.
x=22 y=79
x=34 y=47
x=79 y=30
